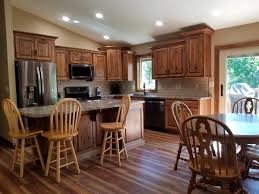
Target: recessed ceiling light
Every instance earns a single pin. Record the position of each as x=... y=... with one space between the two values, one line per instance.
x=76 y=21
x=216 y=13
x=159 y=23
x=99 y=15
x=65 y=18
x=106 y=37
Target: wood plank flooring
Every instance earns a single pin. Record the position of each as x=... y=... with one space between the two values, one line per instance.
x=148 y=170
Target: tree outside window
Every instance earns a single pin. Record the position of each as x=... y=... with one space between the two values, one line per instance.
x=145 y=74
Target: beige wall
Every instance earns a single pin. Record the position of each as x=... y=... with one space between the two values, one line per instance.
x=23 y=21
x=7 y=78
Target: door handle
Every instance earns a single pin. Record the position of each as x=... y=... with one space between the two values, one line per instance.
x=39 y=85
x=42 y=83
x=221 y=90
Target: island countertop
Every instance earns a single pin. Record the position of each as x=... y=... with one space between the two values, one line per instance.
x=90 y=105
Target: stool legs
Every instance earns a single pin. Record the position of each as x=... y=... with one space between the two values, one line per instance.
x=110 y=138
x=58 y=162
x=22 y=158
x=15 y=155
x=39 y=152
x=49 y=157
x=74 y=156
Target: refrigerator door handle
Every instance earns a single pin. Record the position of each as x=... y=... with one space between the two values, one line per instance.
x=42 y=83
x=39 y=85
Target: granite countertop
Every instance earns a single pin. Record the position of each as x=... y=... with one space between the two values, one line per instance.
x=159 y=96
x=90 y=105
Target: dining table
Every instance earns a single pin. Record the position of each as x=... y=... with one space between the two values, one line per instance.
x=245 y=127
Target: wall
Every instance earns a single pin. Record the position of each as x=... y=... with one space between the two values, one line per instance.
x=26 y=22
x=7 y=81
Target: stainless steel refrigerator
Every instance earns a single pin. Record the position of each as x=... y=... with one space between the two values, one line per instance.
x=36 y=83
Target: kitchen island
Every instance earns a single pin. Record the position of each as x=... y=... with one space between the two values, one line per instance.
x=90 y=137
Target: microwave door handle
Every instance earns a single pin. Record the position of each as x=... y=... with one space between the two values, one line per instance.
x=39 y=85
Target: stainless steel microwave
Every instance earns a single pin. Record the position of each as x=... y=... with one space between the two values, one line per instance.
x=81 y=71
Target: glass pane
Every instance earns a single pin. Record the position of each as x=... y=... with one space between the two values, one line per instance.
x=242 y=78
x=146 y=75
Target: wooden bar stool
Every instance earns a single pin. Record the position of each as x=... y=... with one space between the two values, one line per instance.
x=113 y=132
x=64 y=122
x=25 y=139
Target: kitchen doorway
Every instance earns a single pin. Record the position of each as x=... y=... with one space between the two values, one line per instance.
x=239 y=76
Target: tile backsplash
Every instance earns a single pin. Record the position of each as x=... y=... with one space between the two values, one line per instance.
x=105 y=86
x=193 y=87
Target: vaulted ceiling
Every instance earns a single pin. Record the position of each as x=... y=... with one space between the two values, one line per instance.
x=133 y=21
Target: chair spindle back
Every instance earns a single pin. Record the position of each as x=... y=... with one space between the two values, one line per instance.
x=13 y=116
x=65 y=116
x=180 y=113
x=123 y=110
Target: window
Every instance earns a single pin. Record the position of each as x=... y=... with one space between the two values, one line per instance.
x=145 y=74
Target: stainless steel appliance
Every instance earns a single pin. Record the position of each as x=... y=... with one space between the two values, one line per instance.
x=81 y=71
x=36 y=83
x=80 y=93
x=154 y=117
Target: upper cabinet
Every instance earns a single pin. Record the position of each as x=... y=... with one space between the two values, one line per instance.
x=114 y=65
x=127 y=65
x=99 y=62
x=62 y=61
x=77 y=56
x=34 y=46
x=189 y=56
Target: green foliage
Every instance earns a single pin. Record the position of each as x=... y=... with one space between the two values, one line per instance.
x=147 y=70
x=243 y=70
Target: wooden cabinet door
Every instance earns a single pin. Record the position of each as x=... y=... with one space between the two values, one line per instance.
x=114 y=65
x=169 y=119
x=24 y=47
x=44 y=49
x=62 y=64
x=85 y=133
x=75 y=57
x=194 y=50
x=86 y=58
x=127 y=66
x=160 y=63
x=99 y=62
x=176 y=61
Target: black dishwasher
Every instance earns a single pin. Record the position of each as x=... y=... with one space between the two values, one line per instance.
x=154 y=117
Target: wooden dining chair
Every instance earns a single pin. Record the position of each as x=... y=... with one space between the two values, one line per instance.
x=223 y=169
x=113 y=132
x=25 y=139
x=64 y=121
x=252 y=155
x=247 y=105
x=180 y=112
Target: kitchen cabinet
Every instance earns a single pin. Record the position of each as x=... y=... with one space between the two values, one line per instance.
x=160 y=63
x=99 y=62
x=81 y=57
x=85 y=132
x=127 y=65
x=198 y=107
x=188 y=56
x=34 y=46
x=176 y=61
x=114 y=65
x=62 y=61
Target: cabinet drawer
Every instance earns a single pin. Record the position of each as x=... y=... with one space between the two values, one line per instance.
x=189 y=103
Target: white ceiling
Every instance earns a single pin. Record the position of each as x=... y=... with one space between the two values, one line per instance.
x=132 y=21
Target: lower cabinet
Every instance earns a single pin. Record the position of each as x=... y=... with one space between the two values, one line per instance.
x=198 y=107
x=85 y=133
x=90 y=134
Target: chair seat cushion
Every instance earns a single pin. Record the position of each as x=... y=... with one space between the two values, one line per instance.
x=230 y=173
x=57 y=136
x=28 y=133
x=112 y=126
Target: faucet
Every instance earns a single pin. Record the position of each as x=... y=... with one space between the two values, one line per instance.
x=144 y=87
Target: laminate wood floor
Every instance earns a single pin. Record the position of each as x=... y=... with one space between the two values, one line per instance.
x=148 y=170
